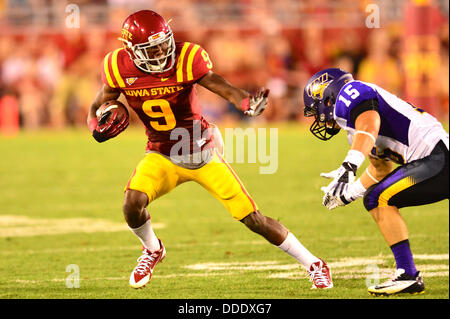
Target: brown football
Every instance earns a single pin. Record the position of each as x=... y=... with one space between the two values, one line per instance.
x=113 y=106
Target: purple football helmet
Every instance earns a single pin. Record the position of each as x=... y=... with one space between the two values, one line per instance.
x=319 y=97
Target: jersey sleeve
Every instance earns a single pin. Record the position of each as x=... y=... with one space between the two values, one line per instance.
x=193 y=64
x=110 y=69
x=106 y=76
x=202 y=64
x=355 y=98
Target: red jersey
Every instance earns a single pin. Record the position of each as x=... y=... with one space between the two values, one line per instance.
x=165 y=101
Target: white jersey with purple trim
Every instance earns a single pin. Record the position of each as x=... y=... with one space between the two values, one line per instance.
x=407 y=133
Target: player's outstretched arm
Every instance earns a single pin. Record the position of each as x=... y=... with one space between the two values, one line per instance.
x=367 y=125
x=344 y=189
x=251 y=105
x=217 y=84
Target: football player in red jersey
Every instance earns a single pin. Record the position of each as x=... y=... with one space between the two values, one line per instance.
x=157 y=76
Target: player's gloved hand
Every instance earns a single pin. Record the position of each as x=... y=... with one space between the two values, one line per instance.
x=343 y=176
x=328 y=200
x=331 y=202
x=107 y=126
x=254 y=105
x=330 y=175
x=350 y=192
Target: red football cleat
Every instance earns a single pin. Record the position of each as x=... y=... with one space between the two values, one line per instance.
x=146 y=263
x=320 y=275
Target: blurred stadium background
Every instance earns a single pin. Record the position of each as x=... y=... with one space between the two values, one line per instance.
x=52 y=213
x=50 y=70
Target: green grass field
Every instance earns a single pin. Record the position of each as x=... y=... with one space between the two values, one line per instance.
x=60 y=205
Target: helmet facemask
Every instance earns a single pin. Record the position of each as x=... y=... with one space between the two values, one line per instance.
x=321 y=107
x=142 y=54
x=324 y=126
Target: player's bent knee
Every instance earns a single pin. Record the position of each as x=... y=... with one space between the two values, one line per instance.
x=134 y=202
x=134 y=210
x=376 y=215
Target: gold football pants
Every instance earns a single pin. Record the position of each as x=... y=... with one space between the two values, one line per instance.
x=156 y=175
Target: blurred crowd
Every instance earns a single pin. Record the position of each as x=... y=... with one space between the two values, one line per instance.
x=51 y=76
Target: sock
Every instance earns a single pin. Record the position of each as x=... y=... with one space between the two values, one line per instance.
x=293 y=247
x=403 y=257
x=147 y=236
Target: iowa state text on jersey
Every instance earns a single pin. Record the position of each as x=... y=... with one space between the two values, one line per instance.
x=164 y=101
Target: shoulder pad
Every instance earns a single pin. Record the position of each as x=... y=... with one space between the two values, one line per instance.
x=350 y=96
x=111 y=74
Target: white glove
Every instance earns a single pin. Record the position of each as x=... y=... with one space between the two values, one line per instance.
x=342 y=176
x=254 y=105
x=329 y=201
x=330 y=175
x=343 y=189
x=350 y=193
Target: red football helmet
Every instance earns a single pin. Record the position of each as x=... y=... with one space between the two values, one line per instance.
x=149 y=41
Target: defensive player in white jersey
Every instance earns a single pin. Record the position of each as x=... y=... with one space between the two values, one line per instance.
x=388 y=131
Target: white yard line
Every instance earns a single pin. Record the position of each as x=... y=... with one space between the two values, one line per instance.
x=344 y=268
x=24 y=226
